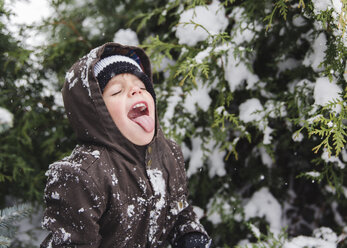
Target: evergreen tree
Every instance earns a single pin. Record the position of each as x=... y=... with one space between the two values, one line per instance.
x=38 y=124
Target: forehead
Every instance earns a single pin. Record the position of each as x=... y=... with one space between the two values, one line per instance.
x=124 y=78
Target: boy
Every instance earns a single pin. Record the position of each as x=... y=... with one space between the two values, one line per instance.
x=124 y=185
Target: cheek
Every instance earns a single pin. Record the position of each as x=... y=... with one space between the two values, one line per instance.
x=151 y=103
x=115 y=109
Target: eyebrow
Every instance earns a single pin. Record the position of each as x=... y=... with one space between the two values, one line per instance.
x=123 y=80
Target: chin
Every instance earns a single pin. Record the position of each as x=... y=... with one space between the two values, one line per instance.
x=142 y=139
x=142 y=142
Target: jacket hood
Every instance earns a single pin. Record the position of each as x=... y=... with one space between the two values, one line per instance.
x=85 y=106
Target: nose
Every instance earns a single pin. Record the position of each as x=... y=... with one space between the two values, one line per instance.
x=135 y=90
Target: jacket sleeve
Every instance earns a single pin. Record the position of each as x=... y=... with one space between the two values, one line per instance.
x=73 y=208
x=187 y=222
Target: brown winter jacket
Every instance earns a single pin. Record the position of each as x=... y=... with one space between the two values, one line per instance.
x=110 y=192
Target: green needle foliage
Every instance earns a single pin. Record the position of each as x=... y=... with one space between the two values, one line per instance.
x=8 y=217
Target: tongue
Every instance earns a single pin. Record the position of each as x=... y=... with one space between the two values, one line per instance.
x=146 y=122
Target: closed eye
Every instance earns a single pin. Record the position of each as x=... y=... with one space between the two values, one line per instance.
x=115 y=93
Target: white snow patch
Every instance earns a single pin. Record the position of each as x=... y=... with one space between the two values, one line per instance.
x=199 y=58
x=287 y=64
x=159 y=186
x=264 y=204
x=157 y=181
x=244 y=30
x=297 y=137
x=213 y=214
x=23 y=15
x=96 y=154
x=130 y=210
x=172 y=102
x=251 y=110
x=265 y=157
x=198 y=96
x=323 y=237
x=215 y=218
x=6 y=120
x=344 y=155
x=315 y=174
x=332 y=159
x=196 y=156
x=308 y=242
x=236 y=72
x=87 y=61
x=326 y=91
x=216 y=161
x=218 y=207
x=47 y=221
x=275 y=109
x=65 y=235
x=94 y=26
x=255 y=230
x=321 y=5
x=325 y=233
x=335 y=5
x=114 y=179
x=267 y=135
x=198 y=211
x=299 y=21
x=316 y=57
x=211 y=17
x=126 y=37
x=55 y=195
x=69 y=76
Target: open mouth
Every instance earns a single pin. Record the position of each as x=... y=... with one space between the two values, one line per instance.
x=137 y=110
x=139 y=114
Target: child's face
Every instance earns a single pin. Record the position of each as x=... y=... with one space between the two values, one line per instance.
x=131 y=107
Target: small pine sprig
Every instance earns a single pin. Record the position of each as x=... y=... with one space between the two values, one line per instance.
x=7 y=217
x=221 y=116
x=4 y=177
x=194 y=3
x=227 y=2
x=144 y=18
x=158 y=49
x=343 y=17
x=332 y=130
x=222 y=121
x=269 y=240
x=315 y=176
x=190 y=68
x=332 y=175
x=4 y=242
x=282 y=7
x=213 y=39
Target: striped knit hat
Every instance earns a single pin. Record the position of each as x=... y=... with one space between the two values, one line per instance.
x=110 y=66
